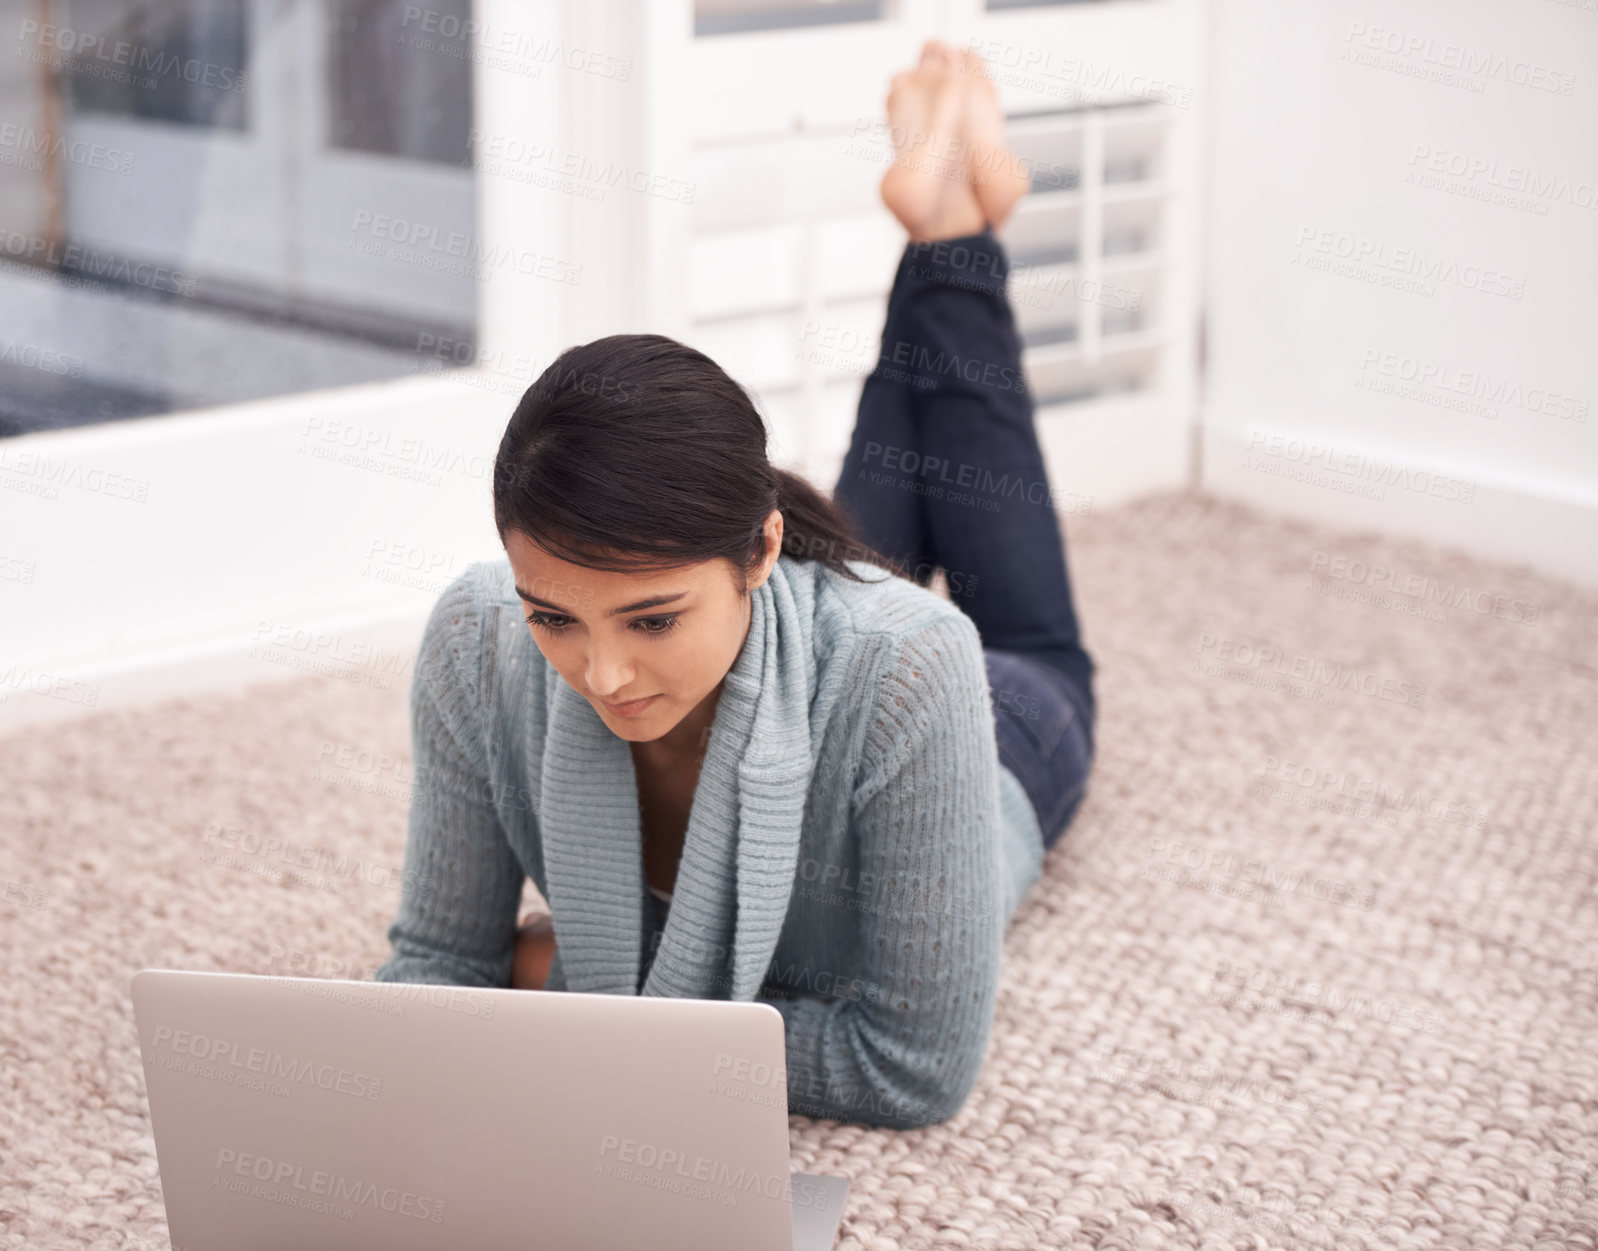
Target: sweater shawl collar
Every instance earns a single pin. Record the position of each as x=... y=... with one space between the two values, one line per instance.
x=741 y=849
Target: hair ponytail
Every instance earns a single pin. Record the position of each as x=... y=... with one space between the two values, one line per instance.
x=636 y=451
x=815 y=528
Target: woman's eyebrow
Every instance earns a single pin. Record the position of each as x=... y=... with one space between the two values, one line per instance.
x=654 y=601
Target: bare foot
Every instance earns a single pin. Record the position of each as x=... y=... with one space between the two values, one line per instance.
x=929 y=189
x=998 y=176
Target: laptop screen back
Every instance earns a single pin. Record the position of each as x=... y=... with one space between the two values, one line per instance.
x=359 y=1115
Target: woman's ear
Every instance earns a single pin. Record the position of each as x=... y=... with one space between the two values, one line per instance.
x=773 y=535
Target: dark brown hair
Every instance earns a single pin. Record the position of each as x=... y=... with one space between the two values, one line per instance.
x=637 y=452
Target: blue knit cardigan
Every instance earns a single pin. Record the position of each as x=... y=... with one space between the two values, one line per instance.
x=853 y=853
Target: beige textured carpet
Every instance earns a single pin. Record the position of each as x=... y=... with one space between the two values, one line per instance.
x=1314 y=968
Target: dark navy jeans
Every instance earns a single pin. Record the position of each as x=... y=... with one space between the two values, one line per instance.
x=944 y=471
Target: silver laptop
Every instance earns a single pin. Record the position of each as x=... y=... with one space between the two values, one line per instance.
x=385 y=1116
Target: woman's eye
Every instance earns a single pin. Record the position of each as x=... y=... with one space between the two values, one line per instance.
x=553 y=623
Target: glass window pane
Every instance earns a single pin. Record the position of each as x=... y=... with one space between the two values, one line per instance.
x=728 y=17
x=1037 y=4
x=396 y=89
x=165 y=60
x=206 y=202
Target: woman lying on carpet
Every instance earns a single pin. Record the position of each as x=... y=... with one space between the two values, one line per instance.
x=739 y=746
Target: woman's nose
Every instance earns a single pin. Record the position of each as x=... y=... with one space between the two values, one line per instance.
x=610 y=671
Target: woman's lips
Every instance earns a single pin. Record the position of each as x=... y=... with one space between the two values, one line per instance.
x=632 y=708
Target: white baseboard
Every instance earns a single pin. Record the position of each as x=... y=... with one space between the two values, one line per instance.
x=1330 y=480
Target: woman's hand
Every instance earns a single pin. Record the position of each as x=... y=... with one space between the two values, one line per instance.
x=535 y=949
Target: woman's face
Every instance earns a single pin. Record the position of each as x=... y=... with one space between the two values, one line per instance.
x=645 y=649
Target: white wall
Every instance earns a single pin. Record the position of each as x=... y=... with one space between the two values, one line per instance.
x=1327 y=123
x=238 y=545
